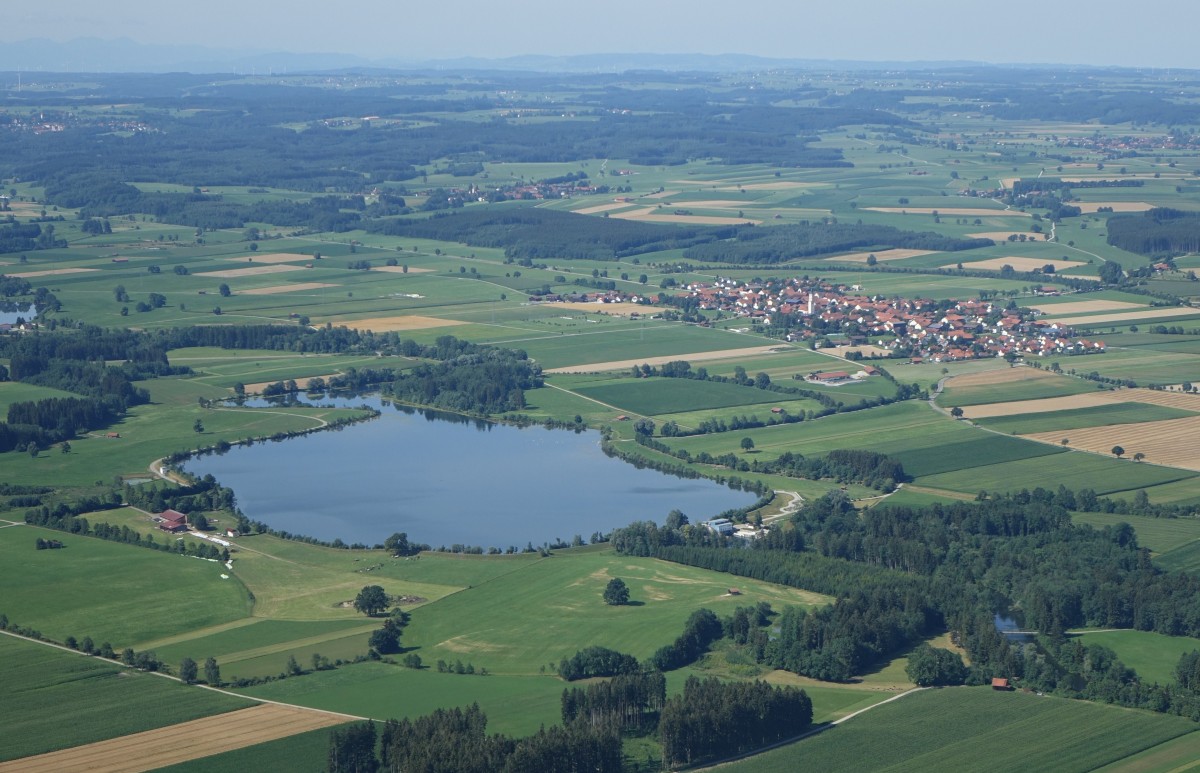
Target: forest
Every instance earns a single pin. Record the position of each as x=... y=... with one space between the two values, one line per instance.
x=767 y=246
x=1160 y=232
x=901 y=574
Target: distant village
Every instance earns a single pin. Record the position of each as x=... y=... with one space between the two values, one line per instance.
x=922 y=329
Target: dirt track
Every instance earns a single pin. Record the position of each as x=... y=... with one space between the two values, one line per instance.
x=178 y=743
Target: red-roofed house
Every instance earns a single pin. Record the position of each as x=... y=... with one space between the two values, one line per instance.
x=172 y=521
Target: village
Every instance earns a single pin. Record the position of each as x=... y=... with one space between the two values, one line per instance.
x=825 y=314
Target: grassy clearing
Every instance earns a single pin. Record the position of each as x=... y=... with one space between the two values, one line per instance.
x=100 y=589
x=1153 y=655
x=976 y=729
x=18 y=392
x=1160 y=535
x=42 y=684
x=560 y=597
x=1185 y=558
x=1077 y=418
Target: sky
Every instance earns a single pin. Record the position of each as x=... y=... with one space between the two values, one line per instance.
x=1147 y=33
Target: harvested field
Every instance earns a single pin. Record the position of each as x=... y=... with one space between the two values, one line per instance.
x=716 y=203
x=723 y=354
x=1018 y=264
x=386 y=324
x=1006 y=376
x=400 y=270
x=234 y=273
x=661 y=195
x=1186 y=402
x=867 y=350
x=1002 y=236
x=1044 y=405
x=276 y=289
x=177 y=743
x=303 y=383
x=961 y=212
x=1089 y=207
x=781 y=185
x=54 y=272
x=601 y=208
x=882 y=256
x=693 y=219
x=1175 y=443
x=1171 y=311
x=271 y=257
x=636 y=213
x=619 y=309
x=1085 y=307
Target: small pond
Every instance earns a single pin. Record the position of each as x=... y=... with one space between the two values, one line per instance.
x=447 y=480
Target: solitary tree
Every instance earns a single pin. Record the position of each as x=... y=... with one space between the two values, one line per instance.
x=747 y=444
x=956 y=412
x=616 y=592
x=187 y=670
x=1118 y=451
x=1065 y=441
x=224 y=290
x=371 y=600
x=198 y=426
x=1139 y=456
x=212 y=672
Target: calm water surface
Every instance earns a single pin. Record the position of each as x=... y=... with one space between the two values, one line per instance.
x=446 y=480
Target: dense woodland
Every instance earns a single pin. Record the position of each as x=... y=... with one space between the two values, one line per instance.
x=1159 y=232
x=766 y=246
x=901 y=574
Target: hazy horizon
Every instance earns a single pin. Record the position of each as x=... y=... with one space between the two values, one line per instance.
x=1103 y=33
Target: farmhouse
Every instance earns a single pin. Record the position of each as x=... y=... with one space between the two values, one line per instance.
x=830 y=377
x=172 y=521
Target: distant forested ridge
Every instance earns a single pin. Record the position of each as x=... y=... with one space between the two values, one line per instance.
x=764 y=246
x=1157 y=232
x=543 y=234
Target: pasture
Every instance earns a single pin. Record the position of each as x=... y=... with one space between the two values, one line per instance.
x=913 y=734
x=1153 y=655
x=96 y=588
x=1104 y=475
x=104 y=700
x=560 y=597
x=1162 y=536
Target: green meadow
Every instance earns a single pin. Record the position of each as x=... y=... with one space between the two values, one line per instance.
x=103 y=700
x=96 y=588
x=1078 y=418
x=1153 y=655
x=977 y=729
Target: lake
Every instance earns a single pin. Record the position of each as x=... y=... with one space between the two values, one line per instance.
x=447 y=480
x=11 y=312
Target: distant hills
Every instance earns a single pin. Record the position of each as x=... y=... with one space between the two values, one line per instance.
x=125 y=55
